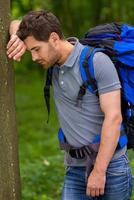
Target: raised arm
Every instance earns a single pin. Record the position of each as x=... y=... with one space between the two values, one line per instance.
x=15 y=47
x=14 y=25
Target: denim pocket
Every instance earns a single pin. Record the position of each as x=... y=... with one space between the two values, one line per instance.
x=119 y=166
x=119 y=179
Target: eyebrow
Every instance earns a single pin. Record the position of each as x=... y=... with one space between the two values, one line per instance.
x=33 y=48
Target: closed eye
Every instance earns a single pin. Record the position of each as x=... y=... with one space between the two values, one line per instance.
x=37 y=49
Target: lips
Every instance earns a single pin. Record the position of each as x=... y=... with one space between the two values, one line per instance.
x=40 y=62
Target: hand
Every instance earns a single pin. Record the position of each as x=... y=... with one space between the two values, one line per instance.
x=15 y=48
x=96 y=184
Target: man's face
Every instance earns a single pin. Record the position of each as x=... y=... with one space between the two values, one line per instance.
x=45 y=53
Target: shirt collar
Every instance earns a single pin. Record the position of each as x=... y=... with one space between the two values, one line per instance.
x=74 y=54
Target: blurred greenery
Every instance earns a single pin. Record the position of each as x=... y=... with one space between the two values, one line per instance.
x=76 y=16
x=41 y=162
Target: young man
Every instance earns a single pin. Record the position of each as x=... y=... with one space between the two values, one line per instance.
x=110 y=179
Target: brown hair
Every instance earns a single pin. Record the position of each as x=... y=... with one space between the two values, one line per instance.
x=39 y=24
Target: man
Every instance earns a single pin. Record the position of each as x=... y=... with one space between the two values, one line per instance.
x=110 y=179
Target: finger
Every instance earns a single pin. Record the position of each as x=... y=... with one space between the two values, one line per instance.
x=101 y=191
x=89 y=191
x=15 y=51
x=97 y=192
x=12 y=40
x=93 y=193
x=14 y=46
x=19 y=55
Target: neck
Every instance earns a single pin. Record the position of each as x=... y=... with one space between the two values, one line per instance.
x=65 y=51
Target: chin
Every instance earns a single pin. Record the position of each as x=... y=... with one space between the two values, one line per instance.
x=45 y=66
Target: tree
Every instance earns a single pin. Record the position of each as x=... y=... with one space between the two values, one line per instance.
x=9 y=162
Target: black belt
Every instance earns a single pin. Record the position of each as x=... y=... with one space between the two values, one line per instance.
x=89 y=152
x=80 y=153
x=86 y=152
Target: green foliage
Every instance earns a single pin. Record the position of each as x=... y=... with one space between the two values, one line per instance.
x=42 y=179
x=41 y=162
x=21 y=7
x=76 y=16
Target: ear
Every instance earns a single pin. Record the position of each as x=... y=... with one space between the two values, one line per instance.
x=54 y=37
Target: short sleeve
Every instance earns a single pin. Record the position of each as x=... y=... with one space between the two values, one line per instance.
x=105 y=73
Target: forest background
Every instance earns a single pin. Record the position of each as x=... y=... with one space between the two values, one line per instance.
x=41 y=162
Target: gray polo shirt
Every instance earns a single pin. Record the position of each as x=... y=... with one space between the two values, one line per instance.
x=81 y=125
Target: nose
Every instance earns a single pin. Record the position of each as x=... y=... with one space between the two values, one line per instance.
x=34 y=56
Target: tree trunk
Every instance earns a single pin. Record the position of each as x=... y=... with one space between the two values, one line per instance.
x=9 y=162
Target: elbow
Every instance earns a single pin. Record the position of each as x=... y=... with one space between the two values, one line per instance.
x=118 y=118
x=115 y=118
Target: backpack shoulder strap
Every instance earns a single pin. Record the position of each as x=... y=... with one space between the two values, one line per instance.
x=87 y=72
x=47 y=90
x=86 y=68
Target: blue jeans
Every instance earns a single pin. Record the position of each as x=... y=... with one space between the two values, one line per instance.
x=118 y=182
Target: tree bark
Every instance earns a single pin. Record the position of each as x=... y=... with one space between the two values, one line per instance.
x=9 y=162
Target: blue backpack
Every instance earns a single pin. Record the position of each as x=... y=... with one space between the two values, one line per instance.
x=117 y=41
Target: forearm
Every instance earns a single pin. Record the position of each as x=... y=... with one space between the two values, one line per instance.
x=14 y=25
x=109 y=140
x=15 y=47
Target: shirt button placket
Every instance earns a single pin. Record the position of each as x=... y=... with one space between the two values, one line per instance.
x=62 y=82
x=62 y=71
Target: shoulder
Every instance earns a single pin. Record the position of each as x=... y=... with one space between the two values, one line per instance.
x=105 y=73
x=101 y=57
x=103 y=64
